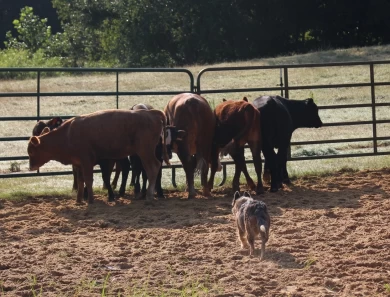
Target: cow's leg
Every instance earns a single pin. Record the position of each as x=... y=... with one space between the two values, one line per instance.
x=133 y=176
x=109 y=166
x=159 y=189
x=282 y=164
x=214 y=164
x=189 y=164
x=118 y=170
x=266 y=172
x=151 y=165
x=144 y=180
x=271 y=159
x=249 y=180
x=255 y=149
x=106 y=167
x=80 y=183
x=136 y=169
x=203 y=177
x=75 y=184
x=87 y=171
x=125 y=165
x=239 y=160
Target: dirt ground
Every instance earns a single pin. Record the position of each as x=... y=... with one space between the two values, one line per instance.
x=330 y=236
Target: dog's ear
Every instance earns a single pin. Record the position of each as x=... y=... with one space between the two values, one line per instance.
x=236 y=196
x=246 y=194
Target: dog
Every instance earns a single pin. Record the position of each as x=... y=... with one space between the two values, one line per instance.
x=253 y=221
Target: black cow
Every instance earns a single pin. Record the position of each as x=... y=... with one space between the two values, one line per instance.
x=138 y=169
x=279 y=119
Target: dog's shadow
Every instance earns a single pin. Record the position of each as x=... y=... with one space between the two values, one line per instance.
x=283 y=259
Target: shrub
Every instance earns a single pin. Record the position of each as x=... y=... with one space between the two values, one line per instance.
x=10 y=58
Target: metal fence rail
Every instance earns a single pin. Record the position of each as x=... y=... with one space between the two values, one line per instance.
x=284 y=88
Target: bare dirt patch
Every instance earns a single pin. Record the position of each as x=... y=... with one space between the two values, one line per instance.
x=330 y=236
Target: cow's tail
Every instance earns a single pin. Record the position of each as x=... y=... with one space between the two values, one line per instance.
x=250 y=115
x=165 y=153
x=201 y=164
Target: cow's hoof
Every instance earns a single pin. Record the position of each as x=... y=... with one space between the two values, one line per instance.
x=140 y=196
x=111 y=199
x=287 y=181
x=191 y=196
x=274 y=189
x=149 y=202
x=206 y=193
x=161 y=197
x=260 y=191
x=252 y=186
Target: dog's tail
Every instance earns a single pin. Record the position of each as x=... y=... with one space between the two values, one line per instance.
x=263 y=222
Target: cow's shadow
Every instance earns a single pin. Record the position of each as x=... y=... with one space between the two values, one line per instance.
x=174 y=212
x=178 y=212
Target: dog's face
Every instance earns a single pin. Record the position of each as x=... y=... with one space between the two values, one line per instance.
x=239 y=200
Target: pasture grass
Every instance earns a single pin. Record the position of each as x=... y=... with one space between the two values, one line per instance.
x=387 y=288
x=69 y=106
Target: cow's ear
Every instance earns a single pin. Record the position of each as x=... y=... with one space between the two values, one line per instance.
x=180 y=135
x=35 y=141
x=45 y=130
x=224 y=100
x=245 y=99
x=309 y=101
x=55 y=122
x=246 y=194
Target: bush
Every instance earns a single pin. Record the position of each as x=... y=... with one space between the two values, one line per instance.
x=10 y=58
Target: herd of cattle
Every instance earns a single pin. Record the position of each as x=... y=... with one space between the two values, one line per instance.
x=189 y=127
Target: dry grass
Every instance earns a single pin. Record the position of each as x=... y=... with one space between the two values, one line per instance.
x=50 y=106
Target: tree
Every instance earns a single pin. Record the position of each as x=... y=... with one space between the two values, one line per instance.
x=33 y=33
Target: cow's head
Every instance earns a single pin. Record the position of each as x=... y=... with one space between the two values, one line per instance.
x=172 y=138
x=37 y=156
x=310 y=117
x=52 y=124
x=39 y=126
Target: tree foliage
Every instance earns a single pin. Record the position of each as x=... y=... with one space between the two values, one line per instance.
x=130 y=33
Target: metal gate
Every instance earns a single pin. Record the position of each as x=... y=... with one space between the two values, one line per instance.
x=284 y=87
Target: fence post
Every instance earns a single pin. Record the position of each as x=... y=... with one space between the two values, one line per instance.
x=374 y=133
x=281 y=82
x=117 y=90
x=286 y=82
x=38 y=94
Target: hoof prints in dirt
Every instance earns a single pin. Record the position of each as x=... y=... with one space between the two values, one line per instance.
x=329 y=237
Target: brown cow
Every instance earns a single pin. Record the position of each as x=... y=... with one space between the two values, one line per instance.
x=108 y=134
x=194 y=121
x=54 y=123
x=238 y=123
